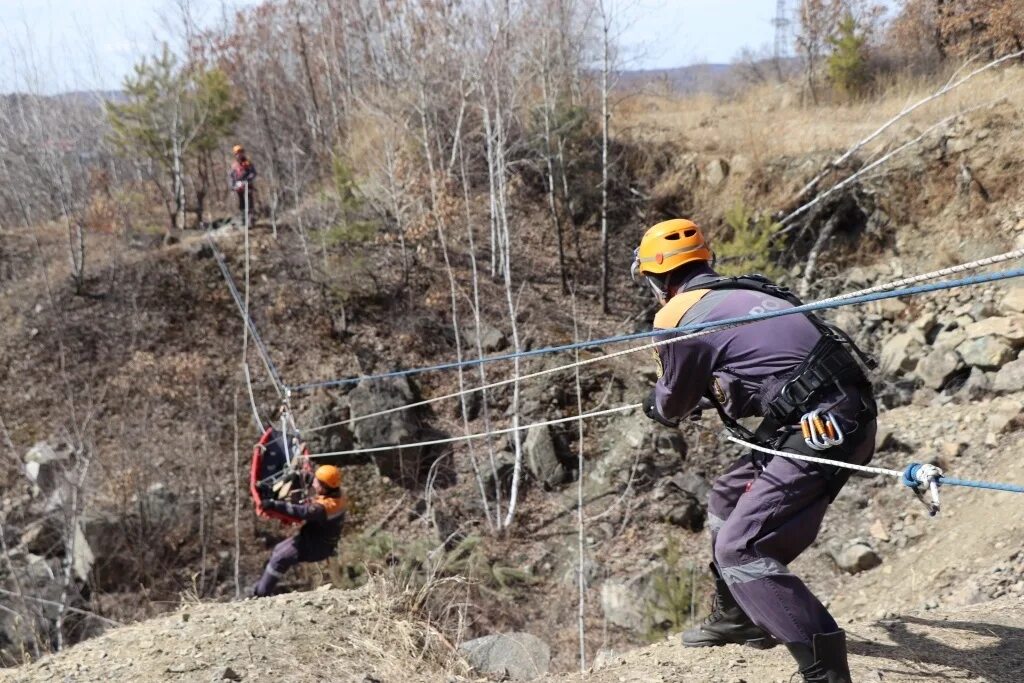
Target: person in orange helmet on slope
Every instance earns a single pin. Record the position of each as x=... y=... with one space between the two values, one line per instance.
x=243 y=175
x=323 y=516
x=804 y=378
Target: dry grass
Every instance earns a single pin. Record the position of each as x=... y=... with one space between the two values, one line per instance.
x=364 y=634
x=769 y=121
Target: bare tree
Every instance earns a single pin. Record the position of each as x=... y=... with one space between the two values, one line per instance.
x=817 y=23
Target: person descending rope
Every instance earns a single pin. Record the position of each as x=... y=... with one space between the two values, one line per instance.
x=243 y=174
x=802 y=376
x=324 y=516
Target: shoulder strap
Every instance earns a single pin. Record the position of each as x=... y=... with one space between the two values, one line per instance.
x=672 y=312
x=755 y=282
x=759 y=283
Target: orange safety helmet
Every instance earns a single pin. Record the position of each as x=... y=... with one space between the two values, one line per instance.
x=665 y=247
x=329 y=476
x=670 y=244
x=237 y=149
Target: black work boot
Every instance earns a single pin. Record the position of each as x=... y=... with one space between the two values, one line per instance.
x=826 y=661
x=727 y=624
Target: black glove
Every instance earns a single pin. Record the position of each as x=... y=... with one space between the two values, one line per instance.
x=270 y=503
x=651 y=411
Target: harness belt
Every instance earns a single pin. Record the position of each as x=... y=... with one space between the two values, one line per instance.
x=835 y=361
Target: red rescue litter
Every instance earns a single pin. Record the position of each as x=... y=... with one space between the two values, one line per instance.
x=269 y=465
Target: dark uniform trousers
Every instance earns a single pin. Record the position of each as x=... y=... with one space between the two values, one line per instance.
x=765 y=511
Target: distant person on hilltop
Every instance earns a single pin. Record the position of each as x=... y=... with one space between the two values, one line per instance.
x=243 y=174
x=323 y=517
x=803 y=377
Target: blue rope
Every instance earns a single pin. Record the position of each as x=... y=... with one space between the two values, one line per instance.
x=909 y=479
x=806 y=308
x=995 y=486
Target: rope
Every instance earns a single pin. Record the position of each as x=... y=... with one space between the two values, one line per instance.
x=821 y=461
x=703 y=329
x=944 y=481
x=479 y=435
x=952 y=481
x=261 y=347
x=899 y=474
x=818 y=305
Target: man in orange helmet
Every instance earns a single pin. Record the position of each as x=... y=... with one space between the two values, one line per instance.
x=243 y=174
x=793 y=371
x=316 y=541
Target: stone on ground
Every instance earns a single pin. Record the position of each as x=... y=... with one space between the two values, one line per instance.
x=857 y=558
x=518 y=656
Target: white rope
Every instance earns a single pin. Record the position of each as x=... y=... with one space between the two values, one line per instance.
x=972 y=265
x=820 y=461
x=479 y=435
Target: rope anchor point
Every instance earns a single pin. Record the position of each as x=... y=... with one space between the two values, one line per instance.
x=921 y=479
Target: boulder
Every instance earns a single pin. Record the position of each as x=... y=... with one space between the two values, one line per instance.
x=716 y=172
x=937 y=367
x=491 y=338
x=687 y=513
x=1012 y=301
x=1004 y=415
x=858 y=557
x=620 y=441
x=950 y=339
x=541 y=456
x=986 y=352
x=888 y=309
x=373 y=397
x=670 y=443
x=1009 y=328
x=623 y=604
x=406 y=466
x=900 y=352
x=517 y=656
x=741 y=164
x=1010 y=378
x=693 y=484
x=44 y=537
x=975 y=387
x=107 y=537
x=327 y=439
x=45 y=465
x=683 y=497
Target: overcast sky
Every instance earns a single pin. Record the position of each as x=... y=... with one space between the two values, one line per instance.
x=87 y=44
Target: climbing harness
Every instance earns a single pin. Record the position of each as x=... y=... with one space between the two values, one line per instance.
x=835 y=362
x=821 y=430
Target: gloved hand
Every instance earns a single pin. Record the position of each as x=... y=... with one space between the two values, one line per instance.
x=270 y=503
x=651 y=411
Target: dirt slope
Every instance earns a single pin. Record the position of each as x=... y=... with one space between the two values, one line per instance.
x=361 y=637
x=981 y=643
x=347 y=636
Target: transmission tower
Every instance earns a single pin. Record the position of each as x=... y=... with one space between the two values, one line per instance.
x=781 y=23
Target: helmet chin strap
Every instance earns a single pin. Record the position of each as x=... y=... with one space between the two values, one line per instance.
x=659 y=293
